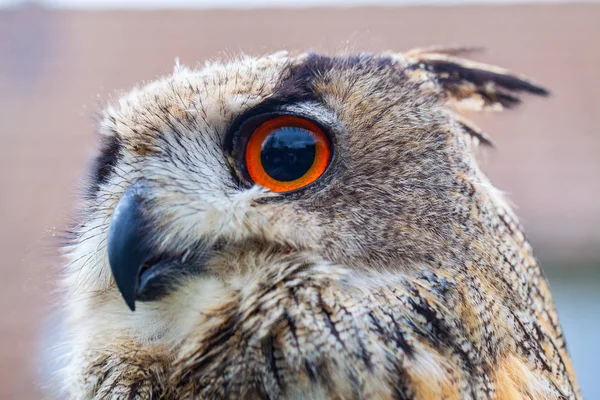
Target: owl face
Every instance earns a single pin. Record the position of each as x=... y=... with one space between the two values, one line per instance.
x=307 y=227
x=353 y=160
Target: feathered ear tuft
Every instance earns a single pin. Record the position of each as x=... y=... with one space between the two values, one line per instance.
x=469 y=85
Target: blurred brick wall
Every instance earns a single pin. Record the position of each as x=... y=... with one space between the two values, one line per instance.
x=58 y=68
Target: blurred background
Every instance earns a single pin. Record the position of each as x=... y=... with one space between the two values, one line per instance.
x=61 y=61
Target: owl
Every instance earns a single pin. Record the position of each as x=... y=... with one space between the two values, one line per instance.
x=307 y=227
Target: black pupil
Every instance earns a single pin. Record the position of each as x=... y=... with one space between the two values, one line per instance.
x=288 y=153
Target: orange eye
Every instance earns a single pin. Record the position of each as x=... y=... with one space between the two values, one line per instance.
x=287 y=153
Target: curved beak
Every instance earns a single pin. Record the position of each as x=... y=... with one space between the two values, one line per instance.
x=142 y=271
x=129 y=246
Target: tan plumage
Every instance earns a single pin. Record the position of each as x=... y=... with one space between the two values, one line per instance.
x=401 y=273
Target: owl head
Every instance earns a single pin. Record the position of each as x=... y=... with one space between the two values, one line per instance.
x=207 y=175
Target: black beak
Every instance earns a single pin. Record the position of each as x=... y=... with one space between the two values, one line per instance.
x=129 y=247
x=140 y=272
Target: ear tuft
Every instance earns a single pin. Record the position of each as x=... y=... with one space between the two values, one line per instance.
x=466 y=85
x=469 y=85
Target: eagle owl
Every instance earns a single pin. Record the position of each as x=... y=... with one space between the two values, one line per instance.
x=308 y=227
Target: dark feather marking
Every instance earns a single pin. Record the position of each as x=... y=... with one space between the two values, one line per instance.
x=441 y=330
x=396 y=335
x=292 y=327
x=206 y=355
x=474 y=132
x=480 y=77
x=269 y=352
x=401 y=385
x=328 y=320
x=104 y=164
